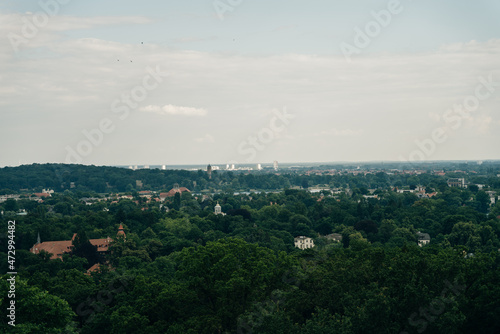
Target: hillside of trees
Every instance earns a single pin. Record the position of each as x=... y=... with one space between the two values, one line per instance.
x=60 y=177
x=184 y=269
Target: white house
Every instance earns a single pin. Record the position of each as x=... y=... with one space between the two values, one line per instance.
x=457 y=182
x=423 y=238
x=303 y=242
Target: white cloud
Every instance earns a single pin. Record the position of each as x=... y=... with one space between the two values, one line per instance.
x=39 y=30
x=174 y=110
x=72 y=83
x=16 y=21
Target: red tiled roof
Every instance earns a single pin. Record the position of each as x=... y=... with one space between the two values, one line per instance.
x=95 y=267
x=121 y=231
x=172 y=192
x=58 y=248
x=98 y=267
x=102 y=244
x=42 y=195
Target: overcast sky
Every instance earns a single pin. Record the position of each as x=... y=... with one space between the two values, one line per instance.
x=248 y=81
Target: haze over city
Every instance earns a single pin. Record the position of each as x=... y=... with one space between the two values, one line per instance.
x=199 y=82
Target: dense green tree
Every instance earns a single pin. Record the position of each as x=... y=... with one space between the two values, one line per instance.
x=36 y=311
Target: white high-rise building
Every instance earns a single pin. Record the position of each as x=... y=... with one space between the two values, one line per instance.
x=259 y=167
x=275 y=165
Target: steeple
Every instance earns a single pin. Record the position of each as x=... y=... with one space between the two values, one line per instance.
x=121 y=232
x=209 y=171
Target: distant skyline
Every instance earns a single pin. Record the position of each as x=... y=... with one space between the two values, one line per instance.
x=248 y=82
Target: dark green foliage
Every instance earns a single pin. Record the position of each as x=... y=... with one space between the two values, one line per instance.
x=191 y=271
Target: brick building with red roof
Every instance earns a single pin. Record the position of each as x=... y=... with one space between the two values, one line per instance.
x=173 y=191
x=58 y=248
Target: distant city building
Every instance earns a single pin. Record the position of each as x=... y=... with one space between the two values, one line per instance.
x=259 y=167
x=209 y=171
x=460 y=183
x=303 y=242
x=492 y=195
x=22 y=212
x=3 y=198
x=423 y=238
x=275 y=165
x=163 y=167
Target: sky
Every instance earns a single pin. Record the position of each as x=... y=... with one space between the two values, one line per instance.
x=246 y=82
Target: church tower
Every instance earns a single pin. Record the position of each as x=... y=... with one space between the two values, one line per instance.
x=218 y=209
x=209 y=171
x=121 y=232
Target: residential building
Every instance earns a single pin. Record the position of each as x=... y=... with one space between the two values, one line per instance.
x=303 y=242
x=460 y=183
x=423 y=238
